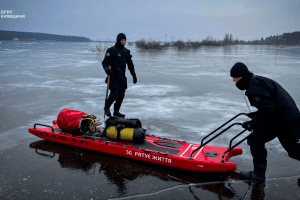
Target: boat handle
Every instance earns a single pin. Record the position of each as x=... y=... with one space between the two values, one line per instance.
x=222 y=126
x=44 y=125
x=202 y=145
x=230 y=148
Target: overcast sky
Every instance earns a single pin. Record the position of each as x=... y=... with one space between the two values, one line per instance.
x=187 y=19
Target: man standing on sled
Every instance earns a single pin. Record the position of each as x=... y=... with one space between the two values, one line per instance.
x=277 y=116
x=114 y=64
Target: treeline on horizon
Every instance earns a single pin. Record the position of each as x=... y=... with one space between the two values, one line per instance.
x=292 y=38
x=284 y=39
x=10 y=35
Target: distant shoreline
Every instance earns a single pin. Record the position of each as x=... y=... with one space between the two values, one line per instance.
x=17 y=36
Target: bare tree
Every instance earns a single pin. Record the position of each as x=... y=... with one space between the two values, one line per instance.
x=101 y=47
x=228 y=39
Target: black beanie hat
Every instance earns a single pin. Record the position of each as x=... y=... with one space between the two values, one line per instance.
x=239 y=70
x=120 y=37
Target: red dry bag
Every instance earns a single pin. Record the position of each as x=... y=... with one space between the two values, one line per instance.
x=70 y=120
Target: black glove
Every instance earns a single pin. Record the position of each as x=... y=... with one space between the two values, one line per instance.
x=108 y=72
x=134 y=79
x=251 y=115
x=248 y=125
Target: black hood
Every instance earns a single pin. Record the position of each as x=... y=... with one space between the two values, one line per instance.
x=120 y=37
x=240 y=70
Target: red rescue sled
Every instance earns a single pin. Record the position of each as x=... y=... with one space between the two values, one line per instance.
x=171 y=153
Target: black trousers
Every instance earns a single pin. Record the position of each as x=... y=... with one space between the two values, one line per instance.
x=287 y=136
x=116 y=95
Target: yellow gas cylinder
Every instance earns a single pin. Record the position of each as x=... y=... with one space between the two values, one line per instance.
x=135 y=135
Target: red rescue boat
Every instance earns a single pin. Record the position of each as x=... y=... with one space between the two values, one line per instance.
x=162 y=151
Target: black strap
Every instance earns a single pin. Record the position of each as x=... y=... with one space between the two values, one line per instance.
x=119 y=127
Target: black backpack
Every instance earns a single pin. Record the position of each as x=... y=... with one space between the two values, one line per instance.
x=128 y=123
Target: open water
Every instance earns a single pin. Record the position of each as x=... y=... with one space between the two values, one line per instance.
x=182 y=95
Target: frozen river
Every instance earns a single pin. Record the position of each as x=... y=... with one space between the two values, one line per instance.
x=182 y=95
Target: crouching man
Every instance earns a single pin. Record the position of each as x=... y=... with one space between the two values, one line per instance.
x=277 y=116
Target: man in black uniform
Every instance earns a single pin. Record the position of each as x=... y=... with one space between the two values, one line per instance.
x=277 y=116
x=114 y=64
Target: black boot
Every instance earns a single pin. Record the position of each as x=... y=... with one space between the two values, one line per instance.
x=108 y=103
x=117 y=107
x=258 y=174
x=107 y=112
x=252 y=176
x=118 y=114
x=116 y=110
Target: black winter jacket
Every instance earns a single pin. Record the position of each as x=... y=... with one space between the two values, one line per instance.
x=117 y=58
x=275 y=105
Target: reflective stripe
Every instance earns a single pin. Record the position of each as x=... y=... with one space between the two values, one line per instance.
x=198 y=152
x=186 y=149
